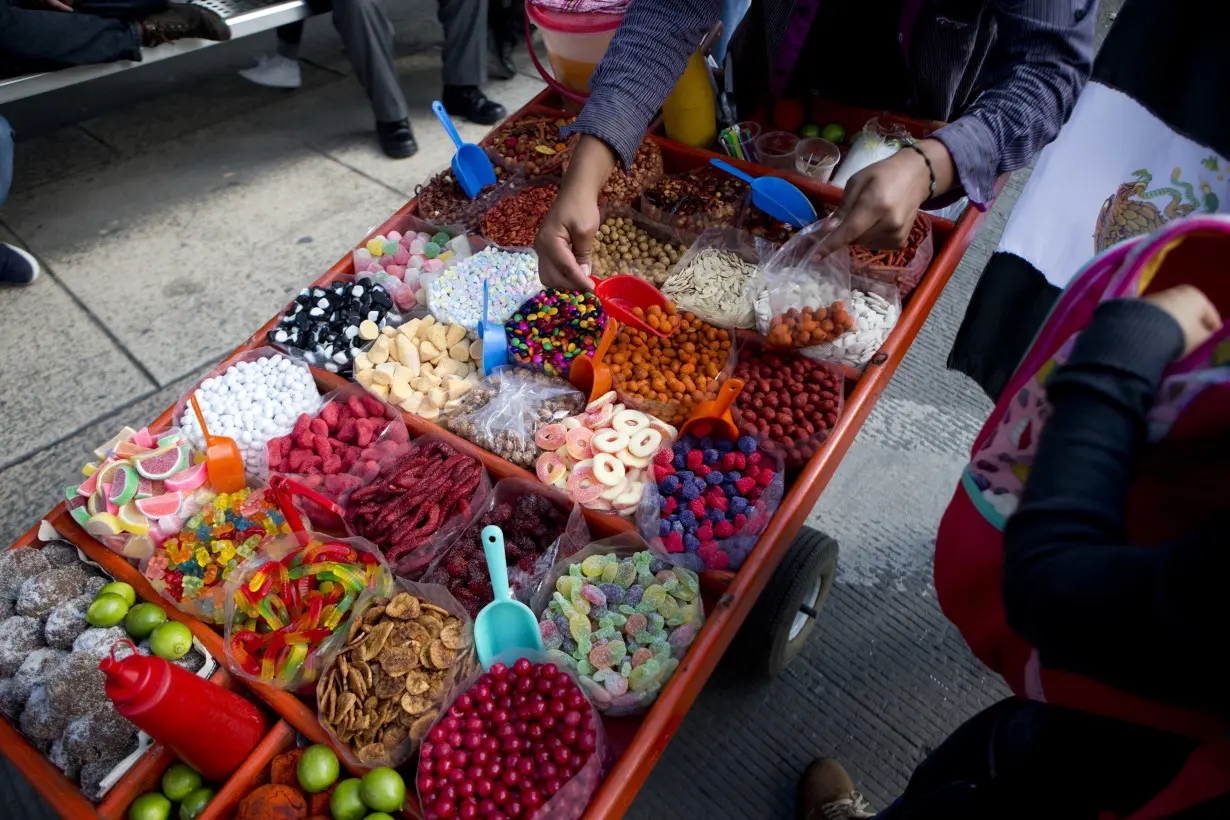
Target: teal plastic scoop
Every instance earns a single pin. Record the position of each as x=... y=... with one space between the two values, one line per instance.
x=505 y=624
x=471 y=165
x=775 y=196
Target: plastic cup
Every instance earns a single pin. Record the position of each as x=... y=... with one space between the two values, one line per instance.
x=776 y=150
x=745 y=134
x=815 y=158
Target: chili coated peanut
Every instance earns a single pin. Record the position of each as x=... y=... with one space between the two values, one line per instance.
x=802 y=328
x=788 y=401
x=513 y=222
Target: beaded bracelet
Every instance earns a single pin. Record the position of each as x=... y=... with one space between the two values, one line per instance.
x=930 y=167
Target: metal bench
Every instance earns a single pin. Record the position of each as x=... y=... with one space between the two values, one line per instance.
x=243 y=16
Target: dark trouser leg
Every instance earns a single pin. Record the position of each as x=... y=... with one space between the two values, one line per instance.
x=1020 y=760
x=506 y=20
x=53 y=37
x=367 y=34
x=465 y=41
x=289 y=37
x=6 y=157
x=120 y=9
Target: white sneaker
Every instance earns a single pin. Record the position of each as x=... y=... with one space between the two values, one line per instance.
x=274 y=71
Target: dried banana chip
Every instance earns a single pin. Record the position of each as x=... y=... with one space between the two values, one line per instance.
x=346 y=703
x=403 y=606
x=432 y=622
x=441 y=656
x=417 y=633
x=376 y=640
x=450 y=635
x=425 y=657
x=415 y=704
x=398 y=660
x=387 y=686
x=395 y=735
x=419 y=728
x=372 y=752
x=356 y=684
x=417 y=682
x=373 y=615
x=443 y=613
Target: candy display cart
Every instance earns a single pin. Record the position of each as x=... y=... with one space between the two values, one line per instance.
x=775 y=596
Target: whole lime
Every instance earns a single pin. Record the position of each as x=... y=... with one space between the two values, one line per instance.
x=152 y=806
x=195 y=803
x=171 y=640
x=383 y=789
x=834 y=133
x=106 y=610
x=345 y=802
x=121 y=589
x=810 y=130
x=179 y=781
x=143 y=618
x=317 y=769
x=378 y=815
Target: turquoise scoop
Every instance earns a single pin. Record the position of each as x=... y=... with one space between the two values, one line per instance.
x=505 y=625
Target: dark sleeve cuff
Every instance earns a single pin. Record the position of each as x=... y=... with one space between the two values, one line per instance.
x=1129 y=336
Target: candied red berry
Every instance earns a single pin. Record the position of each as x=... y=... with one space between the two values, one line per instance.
x=754 y=458
x=765 y=477
x=739 y=521
x=698 y=507
x=694 y=459
x=755 y=493
x=745 y=485
x=674 y=542
x=723 y=529
x=669 y=505
x=661 y=471
x=664 y=457
x=703 y=470
x=329 y=414
x=705 y=532
x=721 y=502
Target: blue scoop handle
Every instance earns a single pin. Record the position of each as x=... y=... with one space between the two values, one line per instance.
x=497 y=564
x=732 y=170
x=485 y=314
x=437 y=108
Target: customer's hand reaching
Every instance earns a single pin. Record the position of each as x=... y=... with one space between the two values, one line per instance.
x=57 y=5
x=1197 y=316
x=567 y=232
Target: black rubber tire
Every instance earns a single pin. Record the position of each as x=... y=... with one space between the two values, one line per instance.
x=763 y=648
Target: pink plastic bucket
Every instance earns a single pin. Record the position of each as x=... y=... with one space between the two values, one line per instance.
x=575 y=44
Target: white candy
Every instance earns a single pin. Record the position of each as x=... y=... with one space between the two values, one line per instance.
x=456 y=295
x=874 y=318
x=252 y=403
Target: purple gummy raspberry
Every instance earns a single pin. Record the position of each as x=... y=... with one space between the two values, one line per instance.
x=699 y=485
x=664 y=528
x=691 y=543
x=633 y=596
x=706 y=443
x=669 y=485
x=725 y=446
x=679 y=461
x=747 y=445
x=657 y=565
x=685 y=476
x=714 y=514
x=738 y=505
x=715 y=478
x=547 y=628
x=711 y=456
x=688 y=442
x=561 y=623
x=733 y=476
x=673 y=517
x=690 y=492
x=688 y=518
x=614 y=592
x=568 y=645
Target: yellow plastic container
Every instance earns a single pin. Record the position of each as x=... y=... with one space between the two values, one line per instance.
x=690 y=112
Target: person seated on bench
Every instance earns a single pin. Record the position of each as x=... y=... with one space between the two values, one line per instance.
x=16 y=266
x=367 y=36
x=67 y=33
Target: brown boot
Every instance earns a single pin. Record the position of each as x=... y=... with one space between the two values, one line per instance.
x=826 y=792
x=180 y=21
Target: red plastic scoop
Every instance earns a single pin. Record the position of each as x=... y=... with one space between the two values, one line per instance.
x=223 y=462
x=622 y=295
x=712 y=418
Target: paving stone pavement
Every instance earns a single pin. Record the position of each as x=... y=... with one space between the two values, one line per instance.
x=885 y=677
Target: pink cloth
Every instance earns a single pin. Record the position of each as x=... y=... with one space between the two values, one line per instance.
x=584 y=6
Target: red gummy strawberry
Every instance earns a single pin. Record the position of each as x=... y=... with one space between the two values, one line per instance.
x=669 y=505
x=723 y=529
x=719 y=560
x=713 y=494
x=363 y=432
x=301 y=424
x=664 y=457
x=319 y=427
x=745 y=485
x=347 y=431
x=721 y=502
x=707 y=546
x=694 y=459
x=755 y=493
x=754 y=458
x=330 y=414
x=373 y=405
x=698 y=507
x=396 y=433
x=273 y=452
x=324 y=448
x=313 y=464
x=765 y=477
x=703 y=470
x=740 y=460
x=705 y=532
x=332 y=464
x=306 y=440
x=673 y=542
x=661 y=471
x=739 y=521
x=355 y=403
x=296 y=460
x=728 y=461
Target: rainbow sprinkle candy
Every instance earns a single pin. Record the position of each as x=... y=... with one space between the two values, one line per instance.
x=554 y=327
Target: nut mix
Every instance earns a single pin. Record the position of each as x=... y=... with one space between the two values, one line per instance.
x=701 y=198
x=789 y=402
x=442 y=202
x=513 y=222
x=384 y=688
x=622 y=247
x=532 y=145
x=626 y=187
x=675 y=373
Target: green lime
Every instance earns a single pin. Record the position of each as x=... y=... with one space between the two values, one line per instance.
x=345 y=802
x=834 y=133
x=317 y=769
x=121 y=589
x=142 y=619
x=171 y=640
x=179 y=781
x=152 y=806
x=810 y=130
x=378 y=815
x=383 y=789
x=195 y=803
x=106 y=610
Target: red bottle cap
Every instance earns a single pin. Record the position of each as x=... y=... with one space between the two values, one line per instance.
x=124 y=676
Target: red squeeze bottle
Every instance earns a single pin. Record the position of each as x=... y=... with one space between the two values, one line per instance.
x=211 y=729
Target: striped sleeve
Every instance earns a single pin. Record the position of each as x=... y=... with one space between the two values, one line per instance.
x=1041 y=59
x=642 y=64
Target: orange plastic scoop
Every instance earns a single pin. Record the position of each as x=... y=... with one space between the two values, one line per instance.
x=622 y=295
x=712 y=418
x=223 y=462
x=592 y=376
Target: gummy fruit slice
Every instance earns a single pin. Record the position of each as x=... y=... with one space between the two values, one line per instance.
x=123 y=485
x=187 y=480
x=132 y=520
x=102 y=523
x=159 y=506
x=162 y=464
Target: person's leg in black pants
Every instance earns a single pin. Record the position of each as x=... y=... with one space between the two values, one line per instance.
x=505 y=28
x=36 y=38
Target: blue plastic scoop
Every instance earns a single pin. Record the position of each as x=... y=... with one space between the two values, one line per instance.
x=775 y=196
x=471 y=165
x=505 y=624
x=494 y=339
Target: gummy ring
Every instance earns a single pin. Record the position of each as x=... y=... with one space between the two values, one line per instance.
x=630 y=460
x=608 y=469
x=578 y=440
x=668 y=433
x=571 y=423
x=550 y=468
x=550 y=436
x=645 y=442
x=583 y=487
x=600 y=503
x=599 y=418
x=630 y=497
x=630 y=421
x=609 y=441
x=611 y=493
x=605 y=399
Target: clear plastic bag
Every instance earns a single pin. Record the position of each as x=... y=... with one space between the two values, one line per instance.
x=630 y=243
x=540 y=526
x=684 y=541
x=714 y=279
x=442 y=204
x=570 y=802
x=294 y=392
x=536 y=148
x=417 y=647
x=300 y=342
x=504 y=411
x=800 y=298
x=681 y=614
x=876 y=306
x=701 y=198
x=276 y=632
x=903 y=268
x=415 y=500
x=870 y=145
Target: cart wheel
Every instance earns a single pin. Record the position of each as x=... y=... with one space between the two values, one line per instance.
x=782 y=620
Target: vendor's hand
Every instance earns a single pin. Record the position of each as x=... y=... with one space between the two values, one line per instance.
x=57 y=5
x=881 y=201
x=1196 y=315
x=566 y=235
